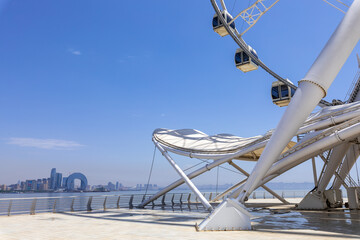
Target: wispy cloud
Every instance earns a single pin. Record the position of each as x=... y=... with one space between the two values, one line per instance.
x=45 y=143
x=75 y=52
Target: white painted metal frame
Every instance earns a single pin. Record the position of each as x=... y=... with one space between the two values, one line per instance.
x=349 y=161
x=193 y=188
x=311 y=148
x=325 y=121
x=239 y=219
x=207 y=167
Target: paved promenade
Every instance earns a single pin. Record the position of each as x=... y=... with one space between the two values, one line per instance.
x=272 y=222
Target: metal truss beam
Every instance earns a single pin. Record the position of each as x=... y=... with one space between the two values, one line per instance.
x=252 y=14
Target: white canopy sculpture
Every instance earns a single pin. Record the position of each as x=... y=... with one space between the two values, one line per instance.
x=223 y=148
x=193 y=143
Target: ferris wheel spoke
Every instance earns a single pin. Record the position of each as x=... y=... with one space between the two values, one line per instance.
x=339 y=2
x=223 y=4
x=342 y=3
x=253 y=13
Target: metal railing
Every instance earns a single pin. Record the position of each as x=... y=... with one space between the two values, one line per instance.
x=13 y=206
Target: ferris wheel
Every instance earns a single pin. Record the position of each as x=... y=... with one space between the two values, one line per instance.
x=231 y=213
x=331 y=131
x=225 y=22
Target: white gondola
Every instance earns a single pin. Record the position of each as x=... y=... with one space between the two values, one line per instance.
x=281 y=93
x=219 y=27
x=244 y=62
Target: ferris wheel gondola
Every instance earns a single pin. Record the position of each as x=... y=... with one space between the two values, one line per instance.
x=218 y=26
x=244 y=62
x=281 y=93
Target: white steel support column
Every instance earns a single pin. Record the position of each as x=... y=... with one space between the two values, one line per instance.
x=186 y=179
x=235 y=186
x=263 y=186
x=314 y=149
x=353 y=153
x=314 y=171
x=202 y=170
x=316 y=199
x=311 y=90
x=311 y=150
x=337 y=155
x=306 y=97
x=304 y=154
x=349 y=161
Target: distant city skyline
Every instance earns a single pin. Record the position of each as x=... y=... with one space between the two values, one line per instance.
x=54 y=183
x=58 y=183
x=83 y=87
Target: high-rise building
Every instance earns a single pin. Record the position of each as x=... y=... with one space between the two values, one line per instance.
x=53 y=178
x=30 y=185
x=70 y=186
x=64 y=182
x=22 y=186
x=111 y=186
x=58 y=180
x=118 y=186
x=39 y=185
x=45 y=182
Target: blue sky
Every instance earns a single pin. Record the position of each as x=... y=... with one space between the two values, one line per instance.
x=84 y=83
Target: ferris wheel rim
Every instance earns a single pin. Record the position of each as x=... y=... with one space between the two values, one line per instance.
x=235 y=35
x=223 y=4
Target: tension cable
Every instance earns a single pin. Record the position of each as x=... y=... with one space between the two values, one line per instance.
x=152 y=164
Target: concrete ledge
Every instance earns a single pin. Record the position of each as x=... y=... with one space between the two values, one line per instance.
x=273 y=221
